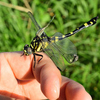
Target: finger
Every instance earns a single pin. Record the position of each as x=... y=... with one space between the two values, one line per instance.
x=20 y=65
x=49 y=76
x=45 y=72
x=8 y=83
x=72 y=90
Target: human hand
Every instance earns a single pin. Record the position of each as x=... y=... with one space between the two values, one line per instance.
x=19 y=80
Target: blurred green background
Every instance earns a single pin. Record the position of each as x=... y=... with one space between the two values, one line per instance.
x=16 y=30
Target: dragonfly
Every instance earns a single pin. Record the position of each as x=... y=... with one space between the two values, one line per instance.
x=58 y=47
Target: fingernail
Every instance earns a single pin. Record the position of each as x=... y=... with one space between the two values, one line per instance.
x=56 y=90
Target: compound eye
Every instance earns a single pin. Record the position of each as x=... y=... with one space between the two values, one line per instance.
x=26 y=46
x=27 y=50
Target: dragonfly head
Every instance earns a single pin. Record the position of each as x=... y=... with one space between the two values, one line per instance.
x=27 y=50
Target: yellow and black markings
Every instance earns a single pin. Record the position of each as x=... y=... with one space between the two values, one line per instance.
x=41 y=41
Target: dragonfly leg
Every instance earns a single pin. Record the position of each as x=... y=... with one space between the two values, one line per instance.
x=34 y=60
x=39 y=55
x=59 y=69
x=35 y=54
x=22 y=54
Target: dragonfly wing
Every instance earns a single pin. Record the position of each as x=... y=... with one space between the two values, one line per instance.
x=38 y=28
x=53 y=53
x=56 y=57
x=66 y=48
x=34 y=21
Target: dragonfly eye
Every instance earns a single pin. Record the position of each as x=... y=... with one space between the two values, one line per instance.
x=27 y=50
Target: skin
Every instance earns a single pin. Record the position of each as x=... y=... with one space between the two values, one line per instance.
x=18 y=79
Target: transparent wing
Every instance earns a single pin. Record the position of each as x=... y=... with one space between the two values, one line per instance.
x=34 y=21
x=66 y=48
x=38 y=28
x=56 y=57
x=62 y=48
x=40 y=31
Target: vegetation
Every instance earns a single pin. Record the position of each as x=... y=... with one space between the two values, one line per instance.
x=16 y=30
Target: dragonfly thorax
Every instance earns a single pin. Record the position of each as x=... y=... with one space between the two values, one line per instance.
x=36 y=44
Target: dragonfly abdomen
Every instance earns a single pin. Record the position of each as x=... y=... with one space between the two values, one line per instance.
x=85 y=25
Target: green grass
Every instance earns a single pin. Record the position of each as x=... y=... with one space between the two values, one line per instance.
x=16 y=30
